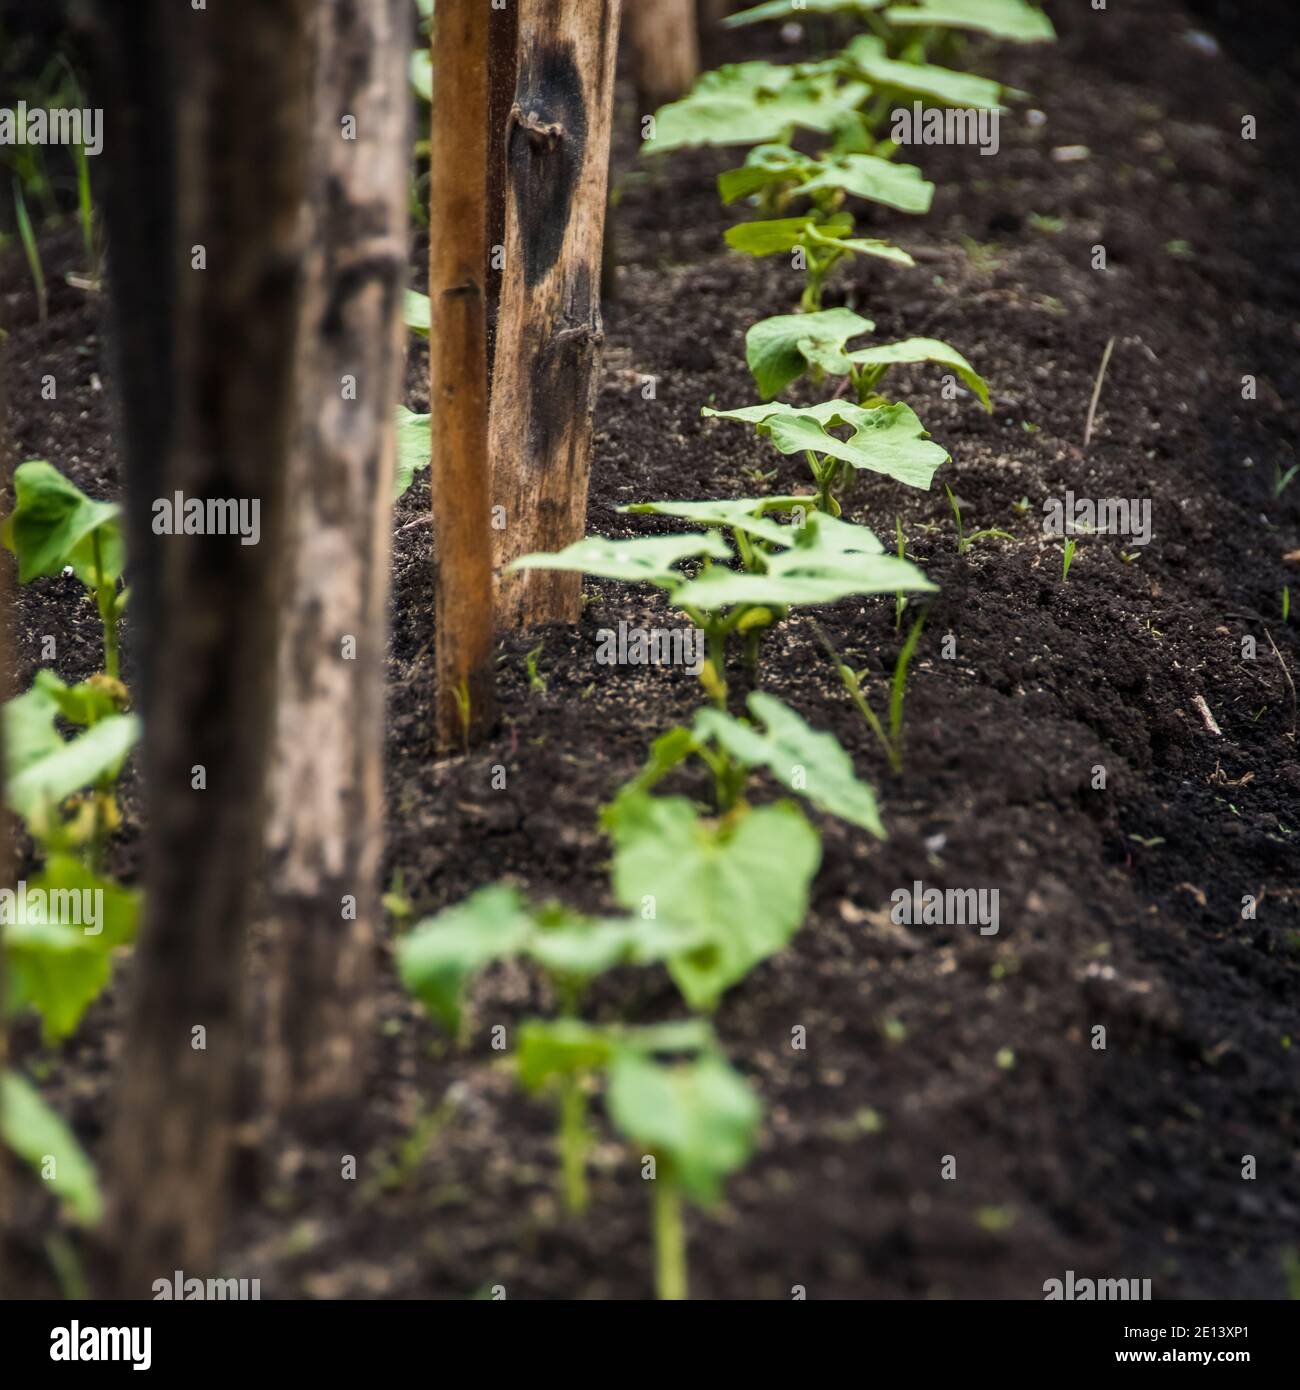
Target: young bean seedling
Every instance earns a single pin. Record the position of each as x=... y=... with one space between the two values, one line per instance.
x=887 y=439
x=64 y=923
x=667 y=1087
x=813 y=558
x=784 y=348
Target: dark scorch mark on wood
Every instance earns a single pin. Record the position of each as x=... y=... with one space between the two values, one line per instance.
x=548 y=134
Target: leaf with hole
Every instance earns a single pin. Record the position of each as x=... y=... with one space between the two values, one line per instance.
x=886 y=439
x=753 y=103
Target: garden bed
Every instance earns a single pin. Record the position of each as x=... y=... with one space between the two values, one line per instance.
x=1121 y=907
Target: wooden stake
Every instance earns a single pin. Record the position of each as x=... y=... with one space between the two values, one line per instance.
x=665 y=44
x=458 y=155
x=549 y=331
x=237 y=105
x=325 y=825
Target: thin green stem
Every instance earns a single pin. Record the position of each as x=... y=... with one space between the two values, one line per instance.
x=670 y=1241
x=105 y=601
x=573 y=1143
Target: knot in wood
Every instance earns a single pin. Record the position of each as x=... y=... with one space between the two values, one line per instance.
x=539 y=132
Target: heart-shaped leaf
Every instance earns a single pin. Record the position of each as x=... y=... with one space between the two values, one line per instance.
x=781 y=348
x=777 y=234
x=438 y=955
x=748 y=514
x=698 y=1118
x=743 y=884
x=60 y=931
x=55 y=524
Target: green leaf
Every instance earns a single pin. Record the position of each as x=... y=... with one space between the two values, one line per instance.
x=796 y=9
x=30 y=734
x=744 y=884
x=803 y=760
x=563 y=1047
x=416 y=313
x=583 y=947
x=421 y=73
x=827 y=559
x=753 y=103
x=699 y=1119
x=414 y=447
x=899 y=186
x=795 y=579
x=748 y=514
x=56 y=966
x=86 y=703
x=867 y=55
x=824 y=559
x=925 y=350
x=780 y=349
x=42 y=771
x=439 y=954
x=1003 y=19
x=35 y=1132
x=860 y=246
x=645 y=559
x=887 y=439
x=775 y=234
x=766 y=166
x=55 y=524
x=679 y=1035
x=437 y=957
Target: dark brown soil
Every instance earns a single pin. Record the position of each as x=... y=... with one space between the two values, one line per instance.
x=1120 y=908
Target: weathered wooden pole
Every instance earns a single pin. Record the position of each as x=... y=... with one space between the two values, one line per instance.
x=665 y=50
x=458 y=387
x=549 y=334
x=325 y=823
x=234 y=94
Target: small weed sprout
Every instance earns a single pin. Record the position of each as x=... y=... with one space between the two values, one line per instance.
x=31 y=251
x=964 y=542
x=1067 y=557
x=536 y=682
x=890 y=738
